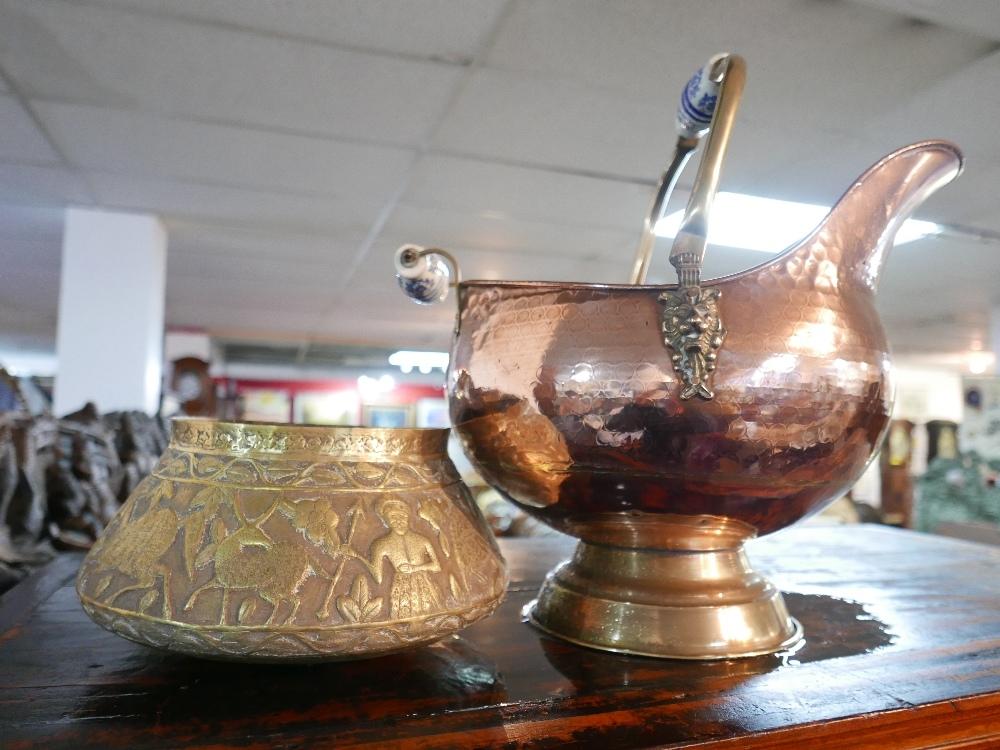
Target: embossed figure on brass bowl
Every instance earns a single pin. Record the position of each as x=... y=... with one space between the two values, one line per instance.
x=568 y=399
x=294 y=543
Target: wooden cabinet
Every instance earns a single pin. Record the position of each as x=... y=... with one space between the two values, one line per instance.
x=902 y=651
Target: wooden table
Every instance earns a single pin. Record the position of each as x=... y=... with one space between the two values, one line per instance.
x=903 y=651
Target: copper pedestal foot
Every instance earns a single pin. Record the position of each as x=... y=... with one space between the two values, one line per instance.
x=668 y=604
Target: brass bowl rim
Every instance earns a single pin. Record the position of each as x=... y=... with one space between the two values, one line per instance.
x=306 y=427
x=282 y=438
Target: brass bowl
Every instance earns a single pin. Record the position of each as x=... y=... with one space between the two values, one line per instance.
x=271 y=542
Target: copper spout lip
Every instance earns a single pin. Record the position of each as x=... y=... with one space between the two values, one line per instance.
x=942 y=145
x=939 y=143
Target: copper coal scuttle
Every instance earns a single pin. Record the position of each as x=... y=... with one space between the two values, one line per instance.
x=664 y=426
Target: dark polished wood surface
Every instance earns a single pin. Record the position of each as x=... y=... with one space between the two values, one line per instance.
x=903 y=651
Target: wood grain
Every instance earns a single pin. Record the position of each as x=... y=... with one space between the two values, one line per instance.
x=903 y=651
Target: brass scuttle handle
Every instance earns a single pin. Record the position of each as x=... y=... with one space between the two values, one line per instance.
x=690 y=322
x=692 y=121
x=691 y=326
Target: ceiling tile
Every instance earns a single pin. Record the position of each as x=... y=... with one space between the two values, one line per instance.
x=500 y=190
x=29 y=293
x=150 y=146
x=461 y=230
x=634 y=48
x=241 y=129
x=274 y=278
x=237 y=320
x=916 y=288
x=839 y=55
x=30 y=223
x=257 y=301
x=234 y=277
x=970 y=199
x=239 y=243
x=41 y=186
x=845 y=76
x=544 y=121
x=245 y=208
x=377 y=276
x=960 y=107
x=34 y=289
x=989 y=220
x=980 y=17
x=20 y=139
x=376 y=308
x=813 y=167
x=387 y=320
x=85 y=53
x=551 y=121
x=26 y=327
x=510 y=266
x=34 y=338
x=449 y=30
x=34 y=256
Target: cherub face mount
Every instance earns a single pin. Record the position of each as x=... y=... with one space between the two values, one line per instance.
x=693 y=331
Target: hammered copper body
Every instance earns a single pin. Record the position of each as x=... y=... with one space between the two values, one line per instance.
x=566 y=401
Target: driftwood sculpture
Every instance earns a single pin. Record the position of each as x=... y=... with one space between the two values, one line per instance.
x=61 y=481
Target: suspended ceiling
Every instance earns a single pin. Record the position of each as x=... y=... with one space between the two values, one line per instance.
x=290 y=146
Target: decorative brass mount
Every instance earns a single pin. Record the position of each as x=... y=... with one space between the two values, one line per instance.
x=694 y=332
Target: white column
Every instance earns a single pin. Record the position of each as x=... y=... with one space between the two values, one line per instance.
x=109 y=342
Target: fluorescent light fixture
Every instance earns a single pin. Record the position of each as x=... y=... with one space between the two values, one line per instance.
x=770 y=225
x=916 y=229
x=408 y=361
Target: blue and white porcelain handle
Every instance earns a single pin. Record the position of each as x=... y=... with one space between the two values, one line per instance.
x=698 y=98
x=426 y=274
x=692 y=121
